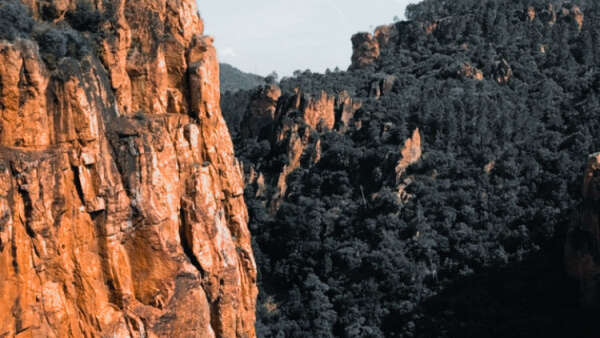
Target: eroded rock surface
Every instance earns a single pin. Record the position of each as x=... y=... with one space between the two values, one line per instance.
x=366 y=47
x=121 y=201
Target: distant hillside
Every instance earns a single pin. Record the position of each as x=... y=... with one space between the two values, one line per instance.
x=427 y=191
x=233 y=79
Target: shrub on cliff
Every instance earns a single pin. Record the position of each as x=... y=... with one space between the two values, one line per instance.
x=56 y=43
x=14 y=20
x=84 y=17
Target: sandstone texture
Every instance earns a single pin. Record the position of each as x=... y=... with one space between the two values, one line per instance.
x=121 y=201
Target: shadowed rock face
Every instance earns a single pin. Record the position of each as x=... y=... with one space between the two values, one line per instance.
x=365 y=50
x=294 y=123
x=121 y=201
x=261 y=111
x=291 y=123
x=582 y=252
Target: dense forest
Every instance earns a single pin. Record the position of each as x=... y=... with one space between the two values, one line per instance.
x=233 y=79
x=506 y=96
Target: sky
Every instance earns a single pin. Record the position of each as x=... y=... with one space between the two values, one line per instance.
x=283 y=36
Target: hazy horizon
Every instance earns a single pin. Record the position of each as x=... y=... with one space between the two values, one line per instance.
x=287 y=36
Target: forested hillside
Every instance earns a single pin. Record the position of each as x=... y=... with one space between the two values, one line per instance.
x=233 y=79
x=427 y=191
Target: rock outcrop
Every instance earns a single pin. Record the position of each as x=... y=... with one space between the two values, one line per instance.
x=261 y=111
x=290 y=123
x=382 y=85
x=411 y=154
x=366 y=47
x=365 y=50
x=268 y=109
x=582 y=250
x=293 y=126
x=467 y=70
x=346 y=106
x=551 y=14
x=121 y=201
x=503 y=71
x=317 y=111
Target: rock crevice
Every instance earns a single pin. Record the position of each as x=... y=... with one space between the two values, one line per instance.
x=121 y=207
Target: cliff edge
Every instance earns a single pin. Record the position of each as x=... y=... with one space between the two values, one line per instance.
x=121 y=201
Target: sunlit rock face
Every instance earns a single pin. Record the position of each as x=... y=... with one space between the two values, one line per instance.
x=121 y=201
x=366 y=47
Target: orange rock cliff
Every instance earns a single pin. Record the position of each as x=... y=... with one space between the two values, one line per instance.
x=121 y=201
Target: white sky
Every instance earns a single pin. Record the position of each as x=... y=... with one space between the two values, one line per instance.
x=282 y=35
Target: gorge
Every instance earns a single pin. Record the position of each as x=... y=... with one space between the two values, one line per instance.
x=437 y=188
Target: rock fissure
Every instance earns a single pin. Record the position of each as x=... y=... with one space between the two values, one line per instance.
x=105 y=208
x=184 y=238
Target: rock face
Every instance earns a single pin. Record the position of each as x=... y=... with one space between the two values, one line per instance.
x=365 y=50
x=290 y=124
x=121 y=201
x=467 y=70
x=366 y=47
x=293 y=125
x=411 y=153
x=261 y=111
x=268 y=108
x=382 y=86
x=582 y=251
x=503 y=72
x=317 y=112
x=346 y=106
